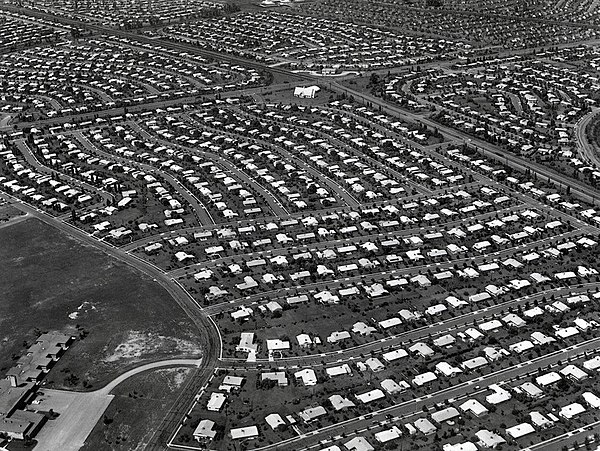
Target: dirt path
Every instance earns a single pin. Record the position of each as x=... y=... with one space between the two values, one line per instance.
x=13 y=221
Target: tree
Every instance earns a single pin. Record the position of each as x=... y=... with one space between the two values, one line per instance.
x=374 y=79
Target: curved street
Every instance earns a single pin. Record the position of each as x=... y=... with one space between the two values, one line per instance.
x=207 y=332
x=587 y=151
x=80 y=411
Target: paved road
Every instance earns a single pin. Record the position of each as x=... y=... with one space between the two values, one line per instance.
x=147 y=367
x=137 y=108
x=266 y=219
x=333 y=284
x=578 y=435
x=33 y=161
x=408 y=408
x=207 y=331
x=202 y=215
x=79 y=412
x=578 y=188
x=452 y=325
x=276 y=207
x=4 y=121
x=68 y=432
x=339 y=190
x=585 y=149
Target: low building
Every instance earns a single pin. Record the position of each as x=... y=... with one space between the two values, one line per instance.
x=338 y=370
x=474 y=363
x=312 y=413
x=370 y=396
x=394 y=355
x=424 y=378
x=444 y=341
x=447 y=370
x=306 y=92
x=278 y=345
x=520 y=430
x=277 y=376
x=548 y=379
x=205 y=430
x=21 y=423
x=374 y=364
x=391 y=387
x=474 y=407
x=358 y=444
x=465 y=446
x=339 y=402
x=592 y=364
x=247 y=343
x=539 y=420
x=216 y=402
x=573 y=372
x=13 y=394
x=571 y=410
x=448 y=414
x=308 y=377
x=338 y=336
x=488 y=439
x=274 y=420
x=591 y=399
x=498 y=396
x=530 y=389
x=422 y=349
x=245 y=433
x=388 y=435
x=425 y=426
x=231 y=383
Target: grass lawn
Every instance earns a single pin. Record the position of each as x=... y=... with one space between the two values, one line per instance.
x=52 y=282
x=137 y=410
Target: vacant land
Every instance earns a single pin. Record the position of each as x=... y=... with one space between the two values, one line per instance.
x=8 y=212
x=137 y=410
x=121 y=317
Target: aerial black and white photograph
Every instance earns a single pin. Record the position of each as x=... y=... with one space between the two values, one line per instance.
x=299 y=225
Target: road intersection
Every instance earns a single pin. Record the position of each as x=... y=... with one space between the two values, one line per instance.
x=213 y=354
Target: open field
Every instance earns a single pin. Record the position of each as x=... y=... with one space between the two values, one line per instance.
x=403 y=255
x=8 y=212
x=137 y=410
x=51 y=281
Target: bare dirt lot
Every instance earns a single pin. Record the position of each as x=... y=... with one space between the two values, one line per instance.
x=46 y=277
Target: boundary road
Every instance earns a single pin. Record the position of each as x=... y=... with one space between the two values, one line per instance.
x=586 y=150
x=207 y=330
x=196 y=313
x=578 y=188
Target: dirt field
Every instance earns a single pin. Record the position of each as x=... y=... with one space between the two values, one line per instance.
x=8 y=212
x=137 y=410
x=121 y=318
